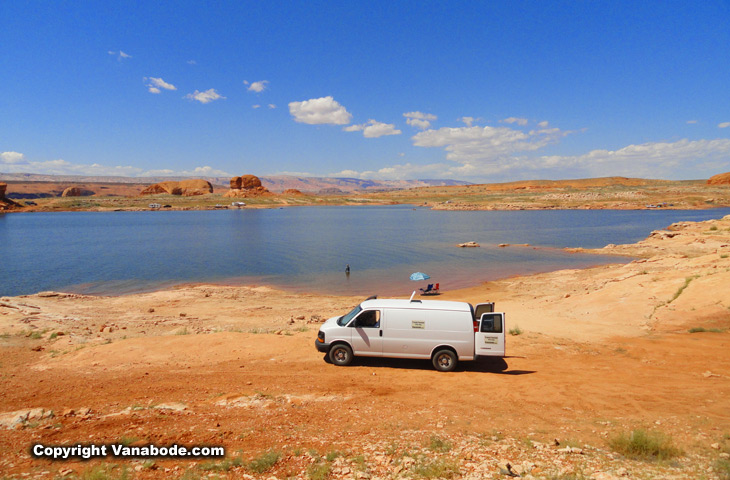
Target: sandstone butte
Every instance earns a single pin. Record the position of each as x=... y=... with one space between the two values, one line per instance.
x=186 y=188
x=6 y=203
x=76 y=192
x=246 y=186
x=720 y=179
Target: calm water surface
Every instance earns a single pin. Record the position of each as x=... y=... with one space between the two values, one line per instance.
x=305 y=248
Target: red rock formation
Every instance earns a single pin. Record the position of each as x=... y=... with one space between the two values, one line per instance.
x=6 y=203
x=76 y=192
x=195 y=187
x=250 y=182
x=186 y=188
x=292 y=191
x=721 y=179
x=246 y=186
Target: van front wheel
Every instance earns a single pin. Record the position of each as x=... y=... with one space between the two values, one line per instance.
x=444 y=360
x=341 y=355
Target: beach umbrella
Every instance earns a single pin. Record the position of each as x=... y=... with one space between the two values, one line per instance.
x=419 y=276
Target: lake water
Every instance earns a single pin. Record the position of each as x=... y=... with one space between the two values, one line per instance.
x=305 y=248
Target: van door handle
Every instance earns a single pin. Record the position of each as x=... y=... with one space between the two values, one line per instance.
x=381 y=333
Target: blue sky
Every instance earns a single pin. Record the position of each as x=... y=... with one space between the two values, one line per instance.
x=477 y=91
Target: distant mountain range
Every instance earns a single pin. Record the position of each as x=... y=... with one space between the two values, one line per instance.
x=275 y=183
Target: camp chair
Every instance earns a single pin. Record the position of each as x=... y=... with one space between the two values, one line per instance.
x=428 y=289
x=431 y=290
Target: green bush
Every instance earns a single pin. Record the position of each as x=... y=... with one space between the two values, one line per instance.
x=263 y=462
x=222 y=466
x=437 y=444
x=105 y=472
x=703 y=329
x=722 y=467
x=437 y=468
x=319 y=471
x=644 y=445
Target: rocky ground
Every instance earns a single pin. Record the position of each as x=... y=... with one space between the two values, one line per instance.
x=593 y=356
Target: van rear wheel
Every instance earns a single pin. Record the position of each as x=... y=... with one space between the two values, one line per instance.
x=444 y=360
x=341 y=355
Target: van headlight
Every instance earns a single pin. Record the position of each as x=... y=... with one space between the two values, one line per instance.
x=320 y=336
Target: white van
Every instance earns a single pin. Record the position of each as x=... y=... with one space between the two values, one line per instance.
x=444 y=332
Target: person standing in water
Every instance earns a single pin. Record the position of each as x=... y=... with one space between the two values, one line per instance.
x=347 y=269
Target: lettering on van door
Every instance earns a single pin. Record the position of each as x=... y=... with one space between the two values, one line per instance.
x=489 y=340
x=420 y=324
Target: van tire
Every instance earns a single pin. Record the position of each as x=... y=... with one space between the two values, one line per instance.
x=340 y=355
x=444 y=360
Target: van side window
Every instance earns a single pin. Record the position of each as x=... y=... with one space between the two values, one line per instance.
x=368 y=319
x=491 y=323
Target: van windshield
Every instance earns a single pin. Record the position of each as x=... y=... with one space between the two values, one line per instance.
x=345 y=319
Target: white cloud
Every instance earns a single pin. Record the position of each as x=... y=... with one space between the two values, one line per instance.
x=467 y=120
x=691 y=122
x=295 y=174
x=7 y=158
x=205 y=171
x=257 y=87
x=664 y=155
x=192 y=62
x=120 y=55
x=420 y=115
x=484 y=144
x=374 y=129
x=320 y=111
x=396 y=172
x=544 y=124
x=419 y=119
x=206 y=96
x=272 y=106
x=723 y=125
x=418 y=123
x=519 y=121
x=255 y=106
x=377 y=129
x=62 y=167
x=479 y=154
x=155 y=84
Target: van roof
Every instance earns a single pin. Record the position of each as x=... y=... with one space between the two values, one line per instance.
x=416 y=304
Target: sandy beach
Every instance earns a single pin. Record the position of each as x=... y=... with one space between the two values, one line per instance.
x=601 y=352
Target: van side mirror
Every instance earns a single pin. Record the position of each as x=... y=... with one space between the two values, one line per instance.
x=491 y=323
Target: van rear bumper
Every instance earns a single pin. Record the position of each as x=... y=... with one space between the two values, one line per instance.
x=322 y=347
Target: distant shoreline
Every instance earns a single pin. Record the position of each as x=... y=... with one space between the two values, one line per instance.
x=453 y=208
x=612 y=193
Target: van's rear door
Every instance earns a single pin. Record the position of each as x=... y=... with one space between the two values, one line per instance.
x=482 y=308
x=489 y=339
